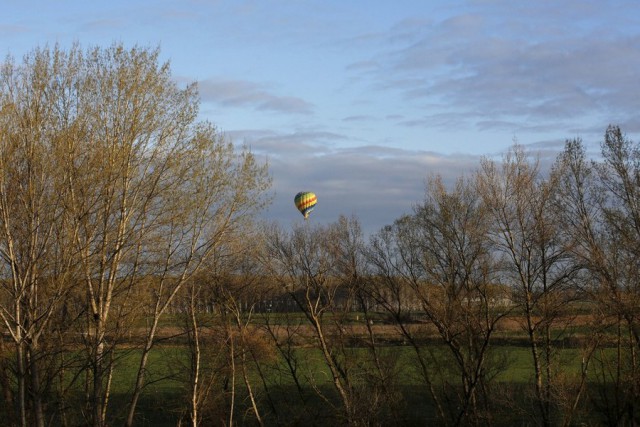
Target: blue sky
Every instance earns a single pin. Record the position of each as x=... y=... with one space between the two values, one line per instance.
x=360 y=101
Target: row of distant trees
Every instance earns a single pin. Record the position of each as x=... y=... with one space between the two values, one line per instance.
x=117 y=206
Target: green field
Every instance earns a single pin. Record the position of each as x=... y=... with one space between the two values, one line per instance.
x=166 y=392
x=507 y=392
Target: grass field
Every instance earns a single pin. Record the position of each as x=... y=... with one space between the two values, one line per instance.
x=313 y=399
x=166 y=391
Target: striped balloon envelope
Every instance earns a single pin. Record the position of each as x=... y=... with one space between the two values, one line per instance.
x=305 y=202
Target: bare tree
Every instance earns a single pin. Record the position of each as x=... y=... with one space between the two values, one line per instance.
x=221 y=301
x=534 y=259
x=307 y=265
x=287 y=333
x=441 y=254
x=601 y=215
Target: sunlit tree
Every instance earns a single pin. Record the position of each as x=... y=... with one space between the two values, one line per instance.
x=120 y=192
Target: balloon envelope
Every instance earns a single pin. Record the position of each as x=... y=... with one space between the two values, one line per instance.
x=305 y=202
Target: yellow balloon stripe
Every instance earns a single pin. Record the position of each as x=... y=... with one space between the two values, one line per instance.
x=305 y=201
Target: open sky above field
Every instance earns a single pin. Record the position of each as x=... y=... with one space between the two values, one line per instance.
x=360 y=101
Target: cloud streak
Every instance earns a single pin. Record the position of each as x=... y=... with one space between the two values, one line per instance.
x=247 y=94
x=547 y=70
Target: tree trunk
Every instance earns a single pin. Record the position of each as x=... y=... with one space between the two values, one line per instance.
x=195 y=365
x=137 y=390
x=35 y=387
x=97 y=392
x=22 y=392
x=535 y=353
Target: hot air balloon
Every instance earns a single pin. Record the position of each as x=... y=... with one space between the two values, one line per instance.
x=305 y=202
